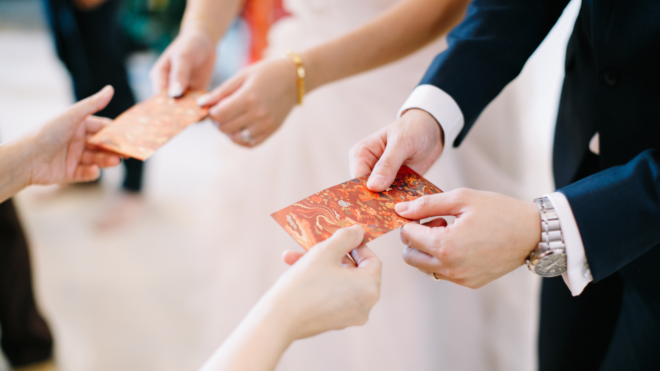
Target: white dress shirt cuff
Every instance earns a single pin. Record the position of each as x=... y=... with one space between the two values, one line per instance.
x=441 y=106
x=578 y=274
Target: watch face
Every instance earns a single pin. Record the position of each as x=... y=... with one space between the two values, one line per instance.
x=551 y=264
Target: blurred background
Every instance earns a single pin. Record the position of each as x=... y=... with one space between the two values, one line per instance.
x=131 y=285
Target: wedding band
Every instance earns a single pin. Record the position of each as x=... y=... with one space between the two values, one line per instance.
x=432 y=275
x=246 y=136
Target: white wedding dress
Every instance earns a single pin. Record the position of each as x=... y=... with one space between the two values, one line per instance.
x=418 y=324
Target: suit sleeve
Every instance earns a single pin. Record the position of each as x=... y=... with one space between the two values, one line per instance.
x=618 y=212
x=488 y=50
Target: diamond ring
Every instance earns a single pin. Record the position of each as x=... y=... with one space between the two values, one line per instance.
x=246 y=136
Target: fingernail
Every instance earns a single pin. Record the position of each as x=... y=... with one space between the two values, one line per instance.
x=401 y=207
x=376 y=181
x=175 y=90
x=202 y=100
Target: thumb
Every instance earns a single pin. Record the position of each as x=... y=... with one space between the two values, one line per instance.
x=387 y=167
x=448 y=203
x=343 y=241
x=179 y=77
x=366 y=259
x=91 y=105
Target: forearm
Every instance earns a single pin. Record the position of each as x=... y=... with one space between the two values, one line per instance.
x=15 y=167
x=257 y=343
x=210 y=16
x=403 y=29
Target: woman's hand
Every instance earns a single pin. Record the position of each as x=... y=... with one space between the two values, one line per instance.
x=60 y=153
x=317 y=294
x=320 y=293
x=252 y=105
x=186 y=64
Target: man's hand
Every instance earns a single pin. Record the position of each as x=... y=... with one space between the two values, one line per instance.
x=186 y=64
x=415 y=140
x=59 y=150
x=491 y=236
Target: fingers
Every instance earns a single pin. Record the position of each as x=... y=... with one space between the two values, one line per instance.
x=366 y=259
x=422 y=238
x=100 y=159
x=228 y=110
x=160 y=73
x=387 y=166
x=343 y=241
x=448 y=203
x=94 y=124
x=179 y=78
x=91 y=105
x=221 y=92
x=420 y=260
x=86 y=173
x=290 y=257
x=365 y=154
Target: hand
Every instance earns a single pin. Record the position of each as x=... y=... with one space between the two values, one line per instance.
x=491 y=236
x=186 y=64
x=59 y=150
x=257 y=99
x=319 y=293
x=415 y=140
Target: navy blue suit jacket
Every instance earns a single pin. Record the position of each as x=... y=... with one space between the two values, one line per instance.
x=612 y=86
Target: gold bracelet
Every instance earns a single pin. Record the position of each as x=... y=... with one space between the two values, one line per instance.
x=300 y=70
x=204 y=22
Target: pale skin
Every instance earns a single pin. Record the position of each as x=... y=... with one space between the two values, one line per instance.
x=317 y=294
x=57 y=153
x=492 y=234
x=260 y=97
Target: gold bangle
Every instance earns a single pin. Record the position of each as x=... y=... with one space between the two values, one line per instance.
x=300 y=70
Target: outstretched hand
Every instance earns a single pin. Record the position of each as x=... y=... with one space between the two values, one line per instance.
x=415 y=140
x=60 y=153
x=320 y=292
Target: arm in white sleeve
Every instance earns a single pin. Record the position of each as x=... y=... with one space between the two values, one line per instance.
x=577 y=274
x=441 y=106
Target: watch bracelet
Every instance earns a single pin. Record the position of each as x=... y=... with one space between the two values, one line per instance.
x=551 y=235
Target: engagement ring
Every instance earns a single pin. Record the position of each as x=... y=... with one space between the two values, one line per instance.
x=432 y=275
x=246 y=136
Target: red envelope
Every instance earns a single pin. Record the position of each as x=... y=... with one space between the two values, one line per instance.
x=145 y=127
x=317 y=217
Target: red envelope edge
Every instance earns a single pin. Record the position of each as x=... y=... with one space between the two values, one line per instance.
x=317 y=217
x=147 y=126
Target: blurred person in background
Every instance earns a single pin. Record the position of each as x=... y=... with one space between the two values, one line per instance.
x=89 y=42
x=25 y=337
x=55 y=154
x=298 y=150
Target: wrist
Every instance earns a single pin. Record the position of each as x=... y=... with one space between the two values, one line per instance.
x=419 y=115
x=276 y=317
x=200 y=26
x=532 y=230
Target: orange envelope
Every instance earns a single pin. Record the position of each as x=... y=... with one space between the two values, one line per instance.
x=317 y=217
x=145 y=127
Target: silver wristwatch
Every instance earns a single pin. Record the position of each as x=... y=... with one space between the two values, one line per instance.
x=549 y=257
